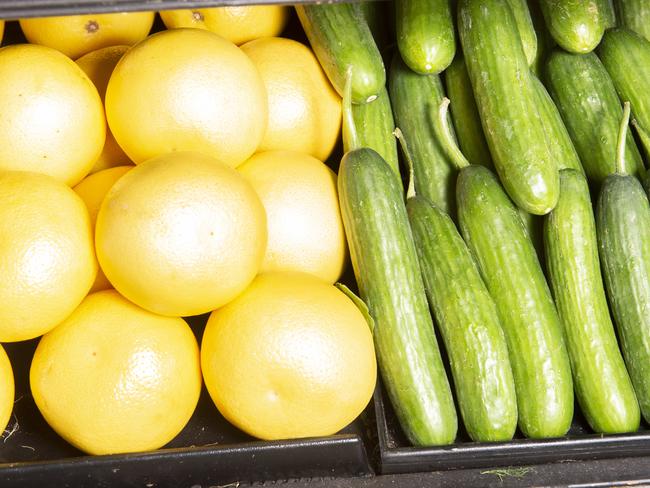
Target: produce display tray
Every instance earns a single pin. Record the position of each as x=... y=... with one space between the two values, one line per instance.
x=397 y=455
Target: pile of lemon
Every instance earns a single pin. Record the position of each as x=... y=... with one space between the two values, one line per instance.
x=145 y=178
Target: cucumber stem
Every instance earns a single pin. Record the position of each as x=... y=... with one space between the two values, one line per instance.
x=445 y=137
x=410 y=192
x=622 y=136
x=350 y=136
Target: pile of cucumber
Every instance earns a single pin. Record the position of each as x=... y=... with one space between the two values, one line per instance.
x=523 y=232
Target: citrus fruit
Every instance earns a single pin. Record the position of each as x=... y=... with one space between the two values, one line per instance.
x=99 y=65
x=7 y=389
x=290 y=357
x=52 y=117
x=187 y=90
x=2 y=29
x=238 y=24
x=76 y=35
x=305 y=231
x=47 y=262
x=92 y=190
x=181 y=234
x=114 y=378
x=304 y=109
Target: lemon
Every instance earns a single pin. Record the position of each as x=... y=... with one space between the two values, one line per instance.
x=290 y=357
x=305 y=231
x=113 y=378
x=47 y=263
x=2 y=29
x=238 y=24
x=52 y=116
x=99 y=66
x=92 y=190
x=304 y=109
x=76 y=35
x=181 y=234
x=7 y=390
x=187 y=90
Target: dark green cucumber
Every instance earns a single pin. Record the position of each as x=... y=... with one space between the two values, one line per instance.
x=576 y=25
x=608 y=12
x=375 y=14
x=425 y=34
x=634 y=15
x=386 y=267
x=559 y=141
x=545 y=42
x=375 y=125
x=602 y=383
x=507 y=103
x=587 y=100
x=626 y=56
x=465 y=114
x=468 y=322
x=341 y=40
x=526 y=28
x=495 y=234
x=414 y=97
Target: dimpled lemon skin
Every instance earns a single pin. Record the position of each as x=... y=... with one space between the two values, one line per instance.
x=238 y=24
x=187 y=90
x=99 y=66
x=92 y=190
x=76 y=35
x=113 y=378
x=181 y=234
x=47 y=261
x=305 y=231
x=52 y=116
x=304 y=109
x=7 y=389
x=290 y=357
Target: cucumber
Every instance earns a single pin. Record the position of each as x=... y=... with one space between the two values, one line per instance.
x=602 y=383
x=623 y=226
x=469 y=324
x=414 y=97
x=606 y=7
x=525 y=27
x=425 y=34
x=545 y=42
x=507 y=103
x=534 y=225
x=576 y=25
x=634 y=15
x=341 y=39
x=626 y=57
x=559 y=141
x=464 y=113
x=587 y=100
x=374 y=13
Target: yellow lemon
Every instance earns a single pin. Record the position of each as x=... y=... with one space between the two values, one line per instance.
x=2 y=29
x=47 y=263
x=114 y=378
x=238 y=24
x=305 y=231
x=99 y=66
x=92 y=190
x=7 y=389
x=187 y=90
x=290 y=357
x=304 y=109
x=52 y=116
x=181 y=234
x=76 y=35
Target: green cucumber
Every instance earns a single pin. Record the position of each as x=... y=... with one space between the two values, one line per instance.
x=465 y=114
x=634 y=15
x=374 y=13
x=526 y=28
x=414 y=97
x=576 y=25
x=341 y=40
x=545 y=42
x=608 y=11
x=507 y=104
x=559 y=141
x=425 y=34
x=587 y=100
x=623 y=226
x=626 y=56
x=469 y=324
x=602 y=383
